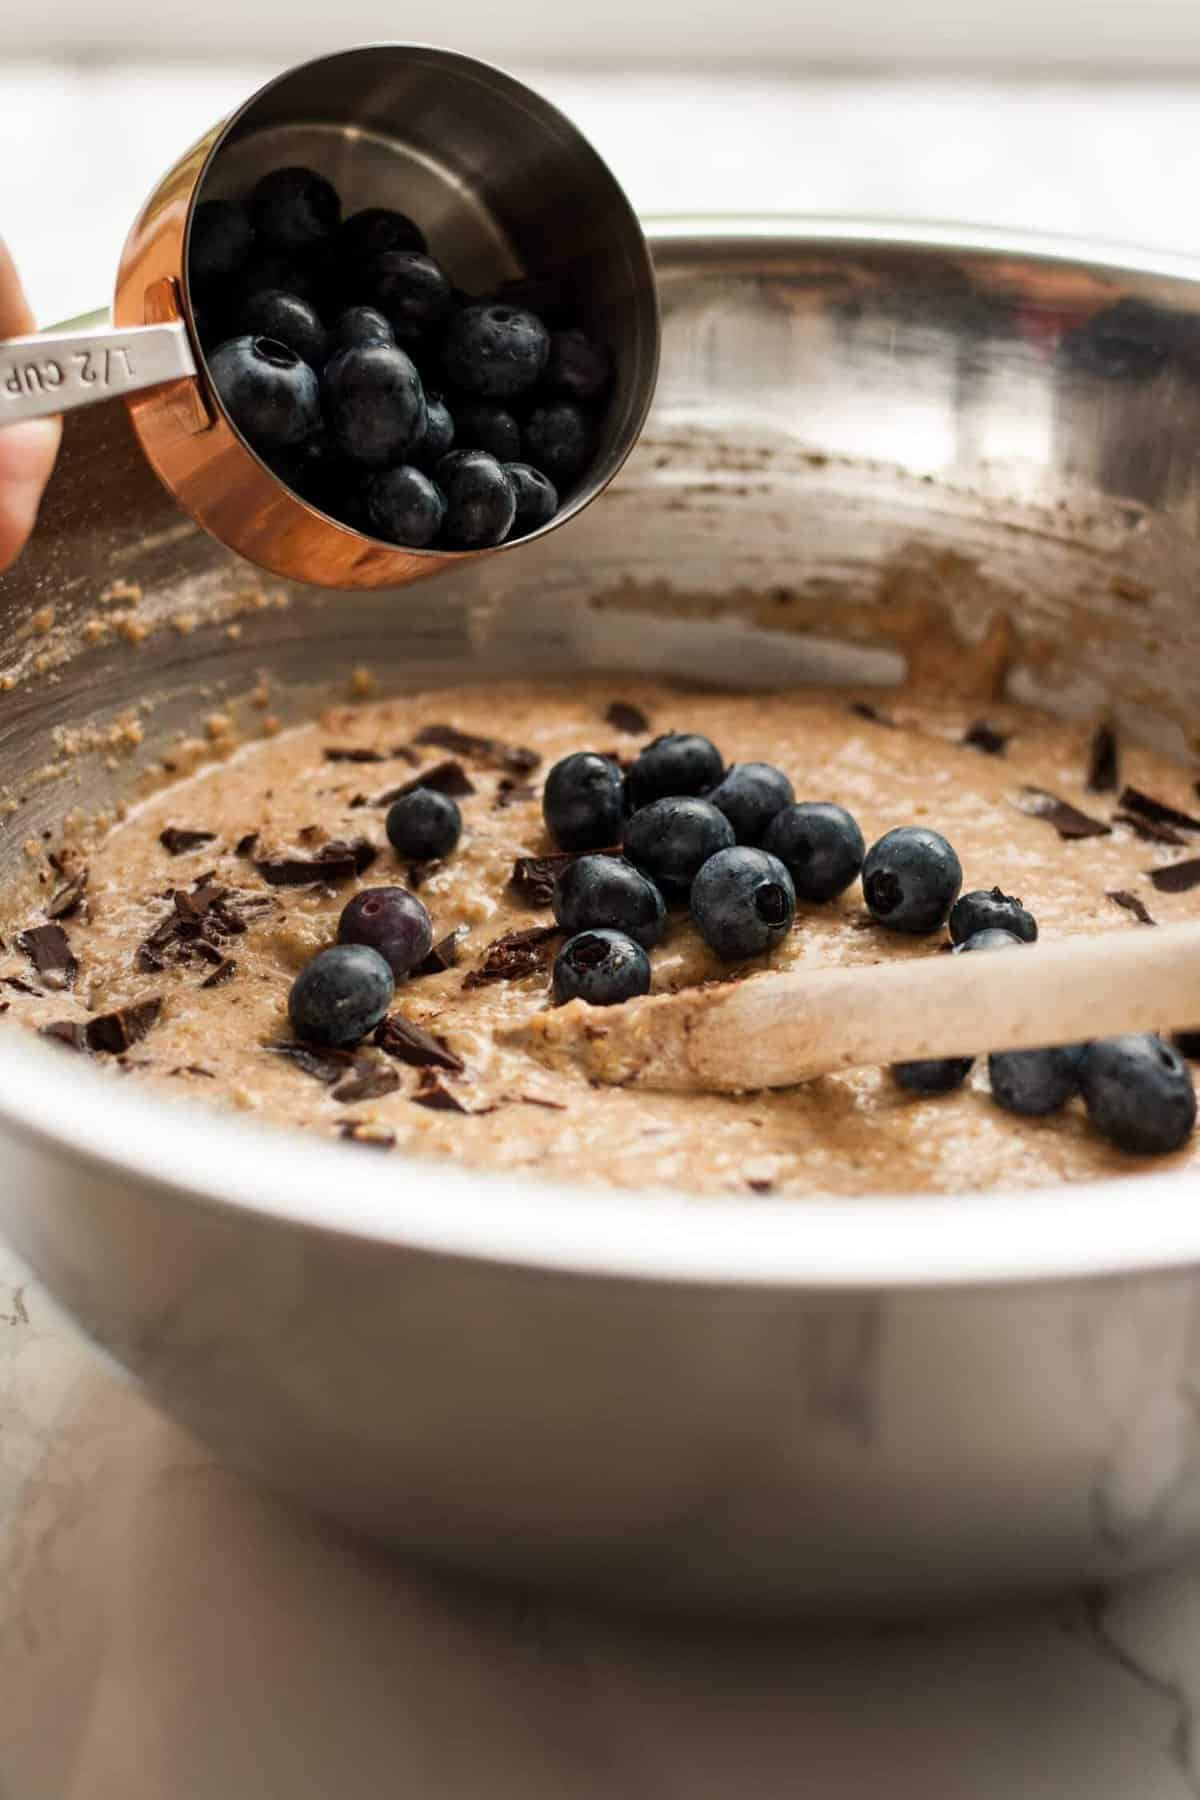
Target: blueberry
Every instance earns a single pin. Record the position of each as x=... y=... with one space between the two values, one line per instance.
x=374 y=231
x=819 y=844
x=303 y=275
x=405 y=507
x=671 y=839
x=1034 y=1082
x=425 y=824
x=558 y=440
x=295 y=210
x=359 y=325
x=596 y=891
x=576 y=368
x=319 y=474
x=289 y=320
x=537 y=498
x=933 y=1074
x=480 y=502
x=374 y=404
x=583 y=802
x=679 y=762
x=495 y=350
x=438 y=440
x=482 y=425
x=602 y=968
x=742 y=902
x=410 y=290
x=990 y=907
x=272 y=397
x=220 y=241
x=750 y=795
x=911 y=879
x=1139 y=1093
x=341 y=995
x=391 y=921
x=545 y=295
x=992 y=937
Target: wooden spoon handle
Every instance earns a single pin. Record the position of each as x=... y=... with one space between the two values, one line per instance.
x=777 y=1029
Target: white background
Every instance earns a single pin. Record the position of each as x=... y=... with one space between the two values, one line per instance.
x=987 y=34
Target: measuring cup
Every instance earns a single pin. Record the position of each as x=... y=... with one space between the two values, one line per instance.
x=504 y=186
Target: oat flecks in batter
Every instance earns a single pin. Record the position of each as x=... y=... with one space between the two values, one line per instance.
x=841 y=1135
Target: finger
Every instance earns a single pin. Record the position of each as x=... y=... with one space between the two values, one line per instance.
x=15 y=316
x=27 y=451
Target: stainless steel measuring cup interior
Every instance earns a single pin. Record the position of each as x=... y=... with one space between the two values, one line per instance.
x=505 y=188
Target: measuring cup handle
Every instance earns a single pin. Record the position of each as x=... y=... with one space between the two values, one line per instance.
x=53 y=371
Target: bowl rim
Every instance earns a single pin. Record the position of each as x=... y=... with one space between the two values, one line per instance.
x=1131 y=1224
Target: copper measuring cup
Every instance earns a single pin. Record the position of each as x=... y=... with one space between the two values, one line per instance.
x=504 y=186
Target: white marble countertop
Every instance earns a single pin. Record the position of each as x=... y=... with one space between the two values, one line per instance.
x=167 y=1633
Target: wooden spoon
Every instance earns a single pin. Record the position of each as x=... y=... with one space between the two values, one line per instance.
x=773 y=1030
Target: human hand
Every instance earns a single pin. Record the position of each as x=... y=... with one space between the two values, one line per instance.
x=27 y=451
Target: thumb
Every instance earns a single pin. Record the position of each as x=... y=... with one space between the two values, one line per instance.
x=27 y=451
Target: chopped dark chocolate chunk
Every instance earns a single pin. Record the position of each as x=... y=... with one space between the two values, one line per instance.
x=622 y=715
x=111 y=1033
x=1149 y=830
x=338 y=860
x=443 y=956
x=1177 y=878
x=352 y=753
x=199 y=922
x=863 y=709
x=195 y=1069
x=1066 y=819
x=363 y=851
x=513 y=757
x=419 y=872
x=177 y=840
x=410 y=1043
x=445 y=777
x=49 y=950
x=361 y=1131
x=510 y=792
x=67 y=899
x=1131 y=903
x=1103 y=775
x=224 y=971
x=515 y=955
x=65 y=1031
x=326 y=1066
x=1132 y=800
x=540 y=1100
x=369 y=1081
x=533 y=877
x=760 y=1184
x=981 y=736
x=434 y=1093
x=247 y=844
x=22 y=987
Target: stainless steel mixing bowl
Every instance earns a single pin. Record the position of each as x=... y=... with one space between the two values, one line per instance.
x=864 y=435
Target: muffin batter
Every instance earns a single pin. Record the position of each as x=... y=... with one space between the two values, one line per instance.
x=190 y=922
